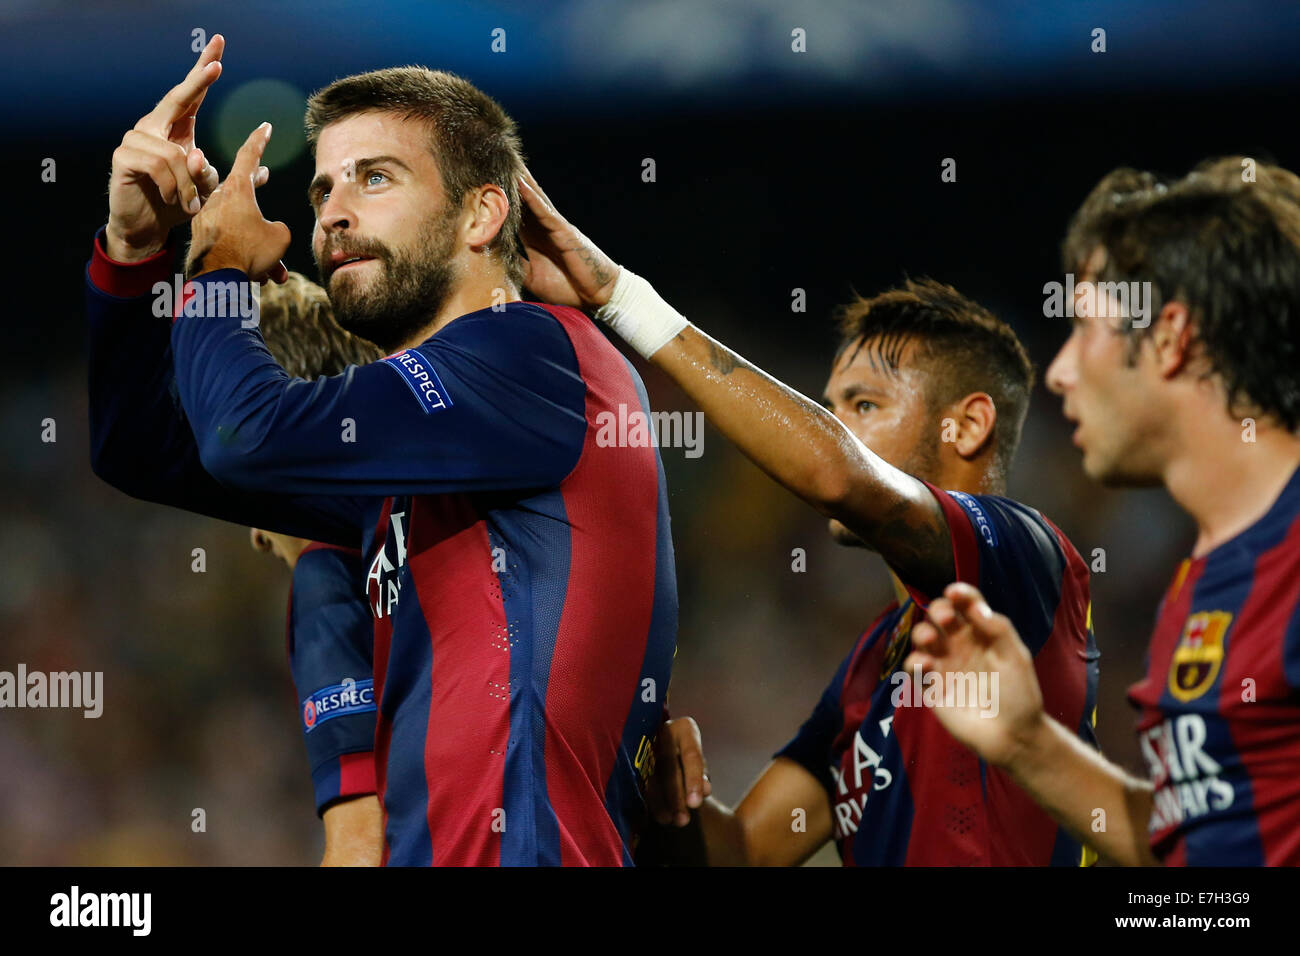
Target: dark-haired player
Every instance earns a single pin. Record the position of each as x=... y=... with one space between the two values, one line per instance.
x=329 y=631
x=1203 y=399
x=520 y=573
x=933 y=390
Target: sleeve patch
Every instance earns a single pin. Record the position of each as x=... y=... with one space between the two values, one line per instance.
x=982 y=523
x=338 y=700
x=421 y=379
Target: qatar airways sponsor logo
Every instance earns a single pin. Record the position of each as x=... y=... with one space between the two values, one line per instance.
x=383 y=581
x=338 y=700
x=858 y=774
x=1186 y=778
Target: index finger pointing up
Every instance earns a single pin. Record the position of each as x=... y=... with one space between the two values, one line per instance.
x=186 y=95
x=249 y=156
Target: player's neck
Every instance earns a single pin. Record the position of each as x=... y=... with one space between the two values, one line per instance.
x=473 y=294
x=977 y=477
x=1227 y=475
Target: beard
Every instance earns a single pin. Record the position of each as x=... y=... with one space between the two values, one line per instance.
x=389 y=309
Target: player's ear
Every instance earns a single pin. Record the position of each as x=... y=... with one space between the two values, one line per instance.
x=1171 y=338
x=488 y=206
x=972 y=424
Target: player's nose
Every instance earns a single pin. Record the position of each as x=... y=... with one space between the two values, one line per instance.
x=1059 y=376
x=335 y=213
x=259 y=540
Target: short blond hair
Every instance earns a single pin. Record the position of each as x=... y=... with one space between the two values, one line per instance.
x=300 y=330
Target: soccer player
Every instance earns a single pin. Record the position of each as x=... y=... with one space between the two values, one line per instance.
x=329 y=631
x=521 y=575
x=928 y=391
x=1204 y=399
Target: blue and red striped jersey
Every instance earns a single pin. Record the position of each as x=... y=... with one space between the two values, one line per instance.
x=904 y=792
x=331 y=642
x=1219 y=707
x=520 y=570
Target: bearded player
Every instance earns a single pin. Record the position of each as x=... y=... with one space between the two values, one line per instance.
x=521 y=575
x=924 y=406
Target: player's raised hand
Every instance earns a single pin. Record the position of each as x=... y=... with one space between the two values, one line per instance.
x=564 y=267
x=962 y=635
x=230 y=232
x=159 y=177
x=680 y=781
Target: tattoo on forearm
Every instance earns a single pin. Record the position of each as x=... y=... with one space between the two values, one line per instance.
x=721 y=360
x=598 y=271
x=917 y=543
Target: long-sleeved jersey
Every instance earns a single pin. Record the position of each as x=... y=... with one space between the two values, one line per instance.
x=903 y=791
x=1219 y=708
x=331 y=641
x=519 y=568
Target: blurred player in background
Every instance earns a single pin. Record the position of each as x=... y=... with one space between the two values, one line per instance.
x=521 y=574
x=330 y=631
x=928 y=391
x=1204 y=399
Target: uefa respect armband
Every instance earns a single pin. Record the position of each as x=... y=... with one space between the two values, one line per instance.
x=338 y=700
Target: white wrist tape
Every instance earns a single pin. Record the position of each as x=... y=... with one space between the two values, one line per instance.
x=639 y=315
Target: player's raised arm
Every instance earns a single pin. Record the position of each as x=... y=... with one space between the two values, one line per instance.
x=1093 y=798
x=791 y=437
x=159 y=176
x=140 y=440
x=494 y=400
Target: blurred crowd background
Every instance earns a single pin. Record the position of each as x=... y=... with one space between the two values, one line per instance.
x=774 y=171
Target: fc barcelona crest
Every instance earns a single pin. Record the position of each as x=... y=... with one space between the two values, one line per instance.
x=1199 y=654
x=900 y=642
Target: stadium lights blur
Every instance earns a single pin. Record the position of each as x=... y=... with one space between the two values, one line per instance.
x=253 y=103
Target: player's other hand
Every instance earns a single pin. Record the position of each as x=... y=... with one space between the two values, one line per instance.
x=231 y=232
x=962 y=635
x=680 y=781
x=159 y=177
x=564 y=267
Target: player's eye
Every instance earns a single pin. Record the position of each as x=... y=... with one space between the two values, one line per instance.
x=863 y=406
x=372 y=176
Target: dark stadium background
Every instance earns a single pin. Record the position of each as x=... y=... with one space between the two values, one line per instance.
x=775 y=171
